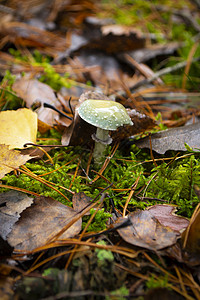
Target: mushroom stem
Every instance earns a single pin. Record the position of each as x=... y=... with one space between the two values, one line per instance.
x=102 y=139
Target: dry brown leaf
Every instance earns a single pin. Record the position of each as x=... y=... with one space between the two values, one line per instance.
x=18 y=127
x=145 y=231
x=141 y=123
x=42 y=221
x=165 y=214
x=12 y=204
x=10 y=160
x=29 y=35
x=34 y=92
x=81 y=201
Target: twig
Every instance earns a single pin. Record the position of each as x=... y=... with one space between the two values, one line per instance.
x=163 y=72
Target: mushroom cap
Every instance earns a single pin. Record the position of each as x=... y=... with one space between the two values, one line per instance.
x=105 y=114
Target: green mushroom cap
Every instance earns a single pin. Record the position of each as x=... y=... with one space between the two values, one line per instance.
x=105 y=114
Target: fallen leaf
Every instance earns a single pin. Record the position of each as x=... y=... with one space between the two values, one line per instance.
x=141 y=123
x=81 y=201
x=12 y=204
x=115 y=38
x=10 y=160
x=78 y=133
x=173 y=139
x=18 y=127
x=165 y=214
x=34 y=92
x=32 y=36
x=146 y=231
x=42 y=221
x=151 y=51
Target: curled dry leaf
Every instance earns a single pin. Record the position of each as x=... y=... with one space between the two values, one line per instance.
x=42 y=221
x=18 y=127
x=166 y=216
x=146 y=231
x=10 y=160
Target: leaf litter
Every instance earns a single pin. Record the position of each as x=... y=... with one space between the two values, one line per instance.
x=102 y=58
x=10 y=160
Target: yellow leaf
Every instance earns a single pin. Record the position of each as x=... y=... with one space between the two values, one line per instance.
x=18 y=127
x=10 y=159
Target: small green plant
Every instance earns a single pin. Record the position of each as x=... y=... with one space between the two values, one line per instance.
x=119 y=294
x=100 y=220
x=157 y=282
x=103 y=255
x=49 y=76
x=52 y=78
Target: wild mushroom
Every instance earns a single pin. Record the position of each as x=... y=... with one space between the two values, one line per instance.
x=105 y=115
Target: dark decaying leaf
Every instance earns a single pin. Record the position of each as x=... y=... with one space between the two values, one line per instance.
x=173 y=139
x=12 y=204
x=5 y=249
x=42 y=221
x=114 y=39
x=146 y=231
x=166 y=216
x=141 y=123
x=78 y=133
x=80 y=201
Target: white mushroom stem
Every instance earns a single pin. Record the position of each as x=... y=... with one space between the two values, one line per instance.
x=102 y=139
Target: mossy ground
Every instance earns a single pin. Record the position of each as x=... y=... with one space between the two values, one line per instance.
x=171 y=180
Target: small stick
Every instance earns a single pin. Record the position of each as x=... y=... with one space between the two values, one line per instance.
x=57 y=110
x=163 y=72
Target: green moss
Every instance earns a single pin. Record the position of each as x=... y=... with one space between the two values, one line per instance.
x=172 y=182
x=160 y=282
x=49 y=76
x=119 y=294
x=53 y=79
x=103 y=255
x=175 y=182
x=99 y=222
